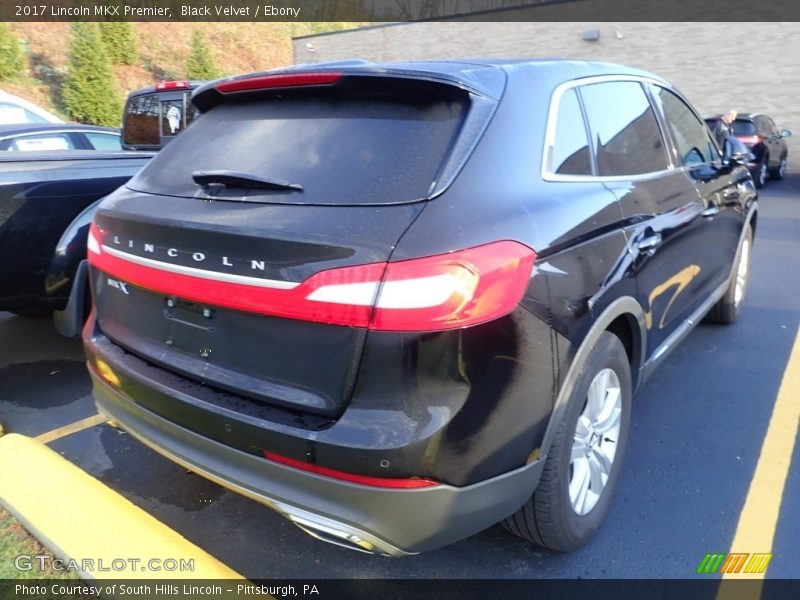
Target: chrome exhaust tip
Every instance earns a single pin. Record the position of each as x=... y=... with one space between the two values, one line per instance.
x=339 y=534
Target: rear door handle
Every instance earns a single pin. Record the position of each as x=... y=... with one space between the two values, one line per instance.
x=711 y=211
x=649 y=244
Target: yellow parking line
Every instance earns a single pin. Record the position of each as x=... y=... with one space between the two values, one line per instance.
x=75 y=427
x=80 y=519
x=758 y=520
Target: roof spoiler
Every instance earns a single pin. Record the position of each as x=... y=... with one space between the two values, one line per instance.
x=332 y=78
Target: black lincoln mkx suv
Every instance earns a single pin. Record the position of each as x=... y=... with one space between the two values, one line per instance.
x=400 y=303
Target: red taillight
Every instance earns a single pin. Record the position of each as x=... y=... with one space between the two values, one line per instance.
x=381 y=482
x=278 y=81
x=750 y=140
x=446 y=291
x=94 y=241
x=172 y=85
x=435 y=293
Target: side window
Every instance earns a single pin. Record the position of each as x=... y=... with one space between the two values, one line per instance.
x=624 y=129
x=689 y=134
x=191 y=110
x=140 y=122
x=772 y=129
x=570 y=153
x=60 y=141
x=173 y=118
x=177 y=114
x=103 y=141
x=744 y=127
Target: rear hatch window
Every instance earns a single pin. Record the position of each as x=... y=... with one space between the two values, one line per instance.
x=360 y=149
x=152 y=120
x=741 y=127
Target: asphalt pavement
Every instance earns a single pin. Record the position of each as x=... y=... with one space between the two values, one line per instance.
x=697 y=430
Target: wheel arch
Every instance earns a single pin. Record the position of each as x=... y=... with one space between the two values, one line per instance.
x=628 y=329
x=753 y=222
x=624 y=317
x=70 y=251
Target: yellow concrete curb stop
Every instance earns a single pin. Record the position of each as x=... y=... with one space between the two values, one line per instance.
x=80 y=519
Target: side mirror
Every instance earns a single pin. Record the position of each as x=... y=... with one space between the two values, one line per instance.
x=785 y=133
x=735 y=152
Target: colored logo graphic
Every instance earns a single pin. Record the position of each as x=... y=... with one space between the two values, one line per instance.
x=734 y=563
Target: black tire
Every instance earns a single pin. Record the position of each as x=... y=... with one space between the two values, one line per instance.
x=779 y=172
x=548 y=517
x=762 y=174
x=728 y=309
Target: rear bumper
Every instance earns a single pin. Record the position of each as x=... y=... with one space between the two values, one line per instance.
x=758 y=157
x=385 y=521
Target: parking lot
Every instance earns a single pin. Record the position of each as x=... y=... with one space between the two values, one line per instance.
x=698 y=429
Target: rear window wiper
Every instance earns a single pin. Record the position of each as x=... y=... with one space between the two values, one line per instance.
x=237 y=179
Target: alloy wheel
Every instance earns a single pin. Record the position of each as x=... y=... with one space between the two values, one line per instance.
x=762 y=173
x=594 y=445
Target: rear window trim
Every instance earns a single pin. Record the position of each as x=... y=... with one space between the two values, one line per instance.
x=478 y=114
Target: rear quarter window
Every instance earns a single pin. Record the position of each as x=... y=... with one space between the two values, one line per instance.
x=570 y=153
x=341 y=150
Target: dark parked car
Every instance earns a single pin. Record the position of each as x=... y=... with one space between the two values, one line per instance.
x=154 y=115
x=46 y=204
x=50 y=186
x=57 y=137
x=426 y=306
x=767 y=143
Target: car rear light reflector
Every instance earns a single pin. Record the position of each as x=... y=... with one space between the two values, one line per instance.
x=104 y=371
x=381 y=482
x=278 y=81
x=172 y=85
x=434 y=293
x=93 y=240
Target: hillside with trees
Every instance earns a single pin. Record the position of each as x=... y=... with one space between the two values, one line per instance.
x=82 y=71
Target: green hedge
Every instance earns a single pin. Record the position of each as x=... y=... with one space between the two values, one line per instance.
x=91 y=94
